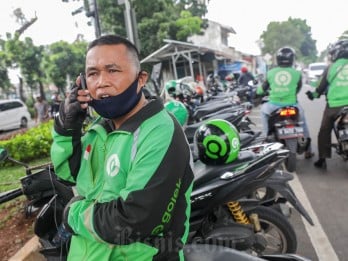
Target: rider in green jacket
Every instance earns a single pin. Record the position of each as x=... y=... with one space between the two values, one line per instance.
x=334 y=84
x=283 y=83
x=132 y=167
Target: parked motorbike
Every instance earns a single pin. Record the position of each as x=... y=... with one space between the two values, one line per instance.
x=224 y=214
x=39 y=185
x=285 y=126
x=47 y=196
x=341 y=133
x=214 y=85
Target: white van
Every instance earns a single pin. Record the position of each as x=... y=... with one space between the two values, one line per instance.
x=315 y=70
x=14 y=114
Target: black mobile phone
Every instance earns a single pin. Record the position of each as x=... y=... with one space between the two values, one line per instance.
x=83 y=84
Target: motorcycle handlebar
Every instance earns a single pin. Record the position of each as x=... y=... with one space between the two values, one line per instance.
x=9 y=195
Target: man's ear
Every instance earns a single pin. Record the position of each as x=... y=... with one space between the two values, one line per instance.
x=143 y=76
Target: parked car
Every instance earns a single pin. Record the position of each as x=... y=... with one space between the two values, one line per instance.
x=14 y=114
x=314 y=71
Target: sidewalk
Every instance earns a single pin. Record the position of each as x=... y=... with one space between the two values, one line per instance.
x=29 y=252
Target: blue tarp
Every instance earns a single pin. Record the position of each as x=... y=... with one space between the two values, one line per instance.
x=233 y=67
x=227 y=69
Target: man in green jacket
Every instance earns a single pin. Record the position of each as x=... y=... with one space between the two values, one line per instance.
x=283 y=83
x=132 y=168
x=334 y=84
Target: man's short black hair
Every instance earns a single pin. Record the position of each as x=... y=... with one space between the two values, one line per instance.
x=112 y=39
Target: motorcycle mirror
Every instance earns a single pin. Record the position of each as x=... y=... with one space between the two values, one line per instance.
x=3 y=154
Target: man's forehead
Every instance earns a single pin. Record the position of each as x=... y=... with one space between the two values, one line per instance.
x=111 y=55
x=118 y=49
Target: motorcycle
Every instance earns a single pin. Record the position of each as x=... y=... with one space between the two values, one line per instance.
x=285 y=126
x=341 y=132
x=39 y=185
x=46 y=196
x=223 y=213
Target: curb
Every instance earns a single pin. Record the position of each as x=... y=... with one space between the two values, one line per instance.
x=29 y=252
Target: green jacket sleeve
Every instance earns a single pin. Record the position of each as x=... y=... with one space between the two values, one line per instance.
x=66 y=155
x=154 y=201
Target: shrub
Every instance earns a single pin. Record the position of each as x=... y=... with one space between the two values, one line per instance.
x=34 y=143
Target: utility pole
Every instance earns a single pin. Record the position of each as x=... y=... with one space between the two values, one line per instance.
x=93 y=12
x=130 y=22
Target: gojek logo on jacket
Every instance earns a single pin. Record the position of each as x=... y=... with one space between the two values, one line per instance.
x=112 y=165
x=343 y=73
x=282 y=78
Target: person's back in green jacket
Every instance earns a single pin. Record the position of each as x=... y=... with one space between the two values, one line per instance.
x=334 y=84
x=283 y=83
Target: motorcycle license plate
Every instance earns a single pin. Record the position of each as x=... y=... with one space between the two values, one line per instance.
x=290 y=132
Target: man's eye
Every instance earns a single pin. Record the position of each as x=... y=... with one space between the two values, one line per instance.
x=91 y=74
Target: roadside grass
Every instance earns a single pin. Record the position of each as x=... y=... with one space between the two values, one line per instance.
x=12 y=208
x=10 y=176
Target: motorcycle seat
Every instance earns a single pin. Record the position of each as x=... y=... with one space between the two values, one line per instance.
x=233 y=117
x=223 y=95
x=245 y=139
x=200 y=112
x=204 y=173
x=229 y=113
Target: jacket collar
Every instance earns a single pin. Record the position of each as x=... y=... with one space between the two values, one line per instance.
x=130 y=125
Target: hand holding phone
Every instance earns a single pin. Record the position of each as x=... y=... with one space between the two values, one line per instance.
x=73 y=110
x=83 y=83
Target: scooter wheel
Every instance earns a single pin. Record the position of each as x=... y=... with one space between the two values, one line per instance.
x=276 y=230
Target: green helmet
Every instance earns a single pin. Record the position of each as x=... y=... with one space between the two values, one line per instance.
x=217 y=142
x=178 y=109
x=170 y=87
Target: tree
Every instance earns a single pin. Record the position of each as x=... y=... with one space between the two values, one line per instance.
x=111 y=17
x=8 y=52
x=187 y=25
x=23 y=21
x=63 y=60
x=4 y=78
x=344 y=35
x=195 y=7
x=156 y=20
x=27 y=57
x=293 y=32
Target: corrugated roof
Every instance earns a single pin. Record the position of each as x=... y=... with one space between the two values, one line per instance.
x=173 y=47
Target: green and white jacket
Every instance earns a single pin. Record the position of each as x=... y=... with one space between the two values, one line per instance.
x=334 y=84
x=283 y=84
x=135 y=182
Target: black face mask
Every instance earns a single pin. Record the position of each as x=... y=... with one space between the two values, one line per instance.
x=119 y=105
